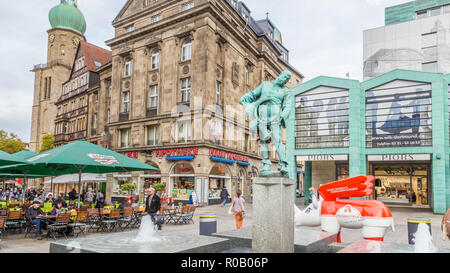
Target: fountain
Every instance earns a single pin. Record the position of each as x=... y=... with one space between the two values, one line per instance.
x=423 y=241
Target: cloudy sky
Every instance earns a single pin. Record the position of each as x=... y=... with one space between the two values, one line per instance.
x=324 y=38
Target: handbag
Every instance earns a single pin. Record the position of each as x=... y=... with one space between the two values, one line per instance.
x=230 y=210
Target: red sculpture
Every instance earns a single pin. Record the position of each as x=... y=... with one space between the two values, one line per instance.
x=334 y=211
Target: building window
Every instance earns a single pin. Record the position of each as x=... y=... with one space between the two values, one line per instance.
x=126 y=102
x=422 y=14
x=184 y=131
x=127 y=69
x=429 y=40
x=109 y=90
x=125 y=138
x=152 y=135
x=245 y=143
x=187 y=5
x=155 y=59
x=156 y=18
x=186 y=50
x=94 y=122
x=322 y=118
x=234 y=3
x=435 y=11
x=247 y=76
x=430 y=67
x=108 y=116
x=153 y=97
x=146 y=3
x=96 y=97
x=218 y=91
x=129 y=28
x=186 y=90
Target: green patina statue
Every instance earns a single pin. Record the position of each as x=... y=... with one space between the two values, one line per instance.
x=269 y=107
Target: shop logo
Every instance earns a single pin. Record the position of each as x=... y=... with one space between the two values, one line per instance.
x=104 y=159
x=37 y=157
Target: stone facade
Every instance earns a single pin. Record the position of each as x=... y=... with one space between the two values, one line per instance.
x=177 y=76
x=49 y=77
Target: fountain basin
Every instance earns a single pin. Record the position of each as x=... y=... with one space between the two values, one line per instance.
x=164 y=242
x=367 y=246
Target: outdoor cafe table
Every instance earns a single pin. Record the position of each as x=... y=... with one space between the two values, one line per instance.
x=171 y=214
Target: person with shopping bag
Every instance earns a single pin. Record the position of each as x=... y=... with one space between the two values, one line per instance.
x=238 y=209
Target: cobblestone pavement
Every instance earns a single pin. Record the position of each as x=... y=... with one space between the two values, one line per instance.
x=17 y=244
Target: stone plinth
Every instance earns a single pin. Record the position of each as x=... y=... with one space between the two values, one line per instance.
x=273 y=215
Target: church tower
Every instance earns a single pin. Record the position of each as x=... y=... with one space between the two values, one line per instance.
x=67 y=30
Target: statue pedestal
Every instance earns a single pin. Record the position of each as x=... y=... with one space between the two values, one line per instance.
x=273 y=215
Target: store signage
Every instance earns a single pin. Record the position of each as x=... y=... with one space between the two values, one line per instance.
x=323 y=158
x=226 y=155
x=176 y=152
x=404 y=157
x=131 y=154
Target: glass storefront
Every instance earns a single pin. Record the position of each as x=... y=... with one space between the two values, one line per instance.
x=218 y=179
x=342 y=171
x=119 y=180
x=183 y=178
x=402 y=183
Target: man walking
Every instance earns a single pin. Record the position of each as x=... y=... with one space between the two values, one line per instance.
x=153 y=206
x=224 y=196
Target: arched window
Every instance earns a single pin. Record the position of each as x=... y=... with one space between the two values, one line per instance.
x=155 y=59
x=186 y=50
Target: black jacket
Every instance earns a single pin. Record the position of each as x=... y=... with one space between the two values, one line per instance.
x=155 y=206
x=224 y=193
x=72 y=195
x=32 y=213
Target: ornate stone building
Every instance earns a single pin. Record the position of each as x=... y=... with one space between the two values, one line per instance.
x=68 y=28
x=178 y=71
x=79 y=93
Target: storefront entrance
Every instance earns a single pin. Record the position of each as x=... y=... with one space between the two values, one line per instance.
x=183 y=182
x=219 y=178
x=402 y=184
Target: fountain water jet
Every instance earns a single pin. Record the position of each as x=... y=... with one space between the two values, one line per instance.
x=423 y=241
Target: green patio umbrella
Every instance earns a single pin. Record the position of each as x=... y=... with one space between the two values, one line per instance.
x=79 y=157
x=8 y=159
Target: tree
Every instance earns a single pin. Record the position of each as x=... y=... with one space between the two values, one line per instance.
x=47 y=143
x=10 y=142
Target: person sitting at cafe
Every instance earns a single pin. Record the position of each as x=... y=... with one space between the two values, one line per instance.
x=34 y=213
x=58 y=208
x=100 y=203
x=49 y=198
x=39 y=199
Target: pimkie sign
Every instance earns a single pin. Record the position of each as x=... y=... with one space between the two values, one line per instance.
x=226 y=155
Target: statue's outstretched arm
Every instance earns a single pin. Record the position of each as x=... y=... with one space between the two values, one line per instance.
x=250 y=98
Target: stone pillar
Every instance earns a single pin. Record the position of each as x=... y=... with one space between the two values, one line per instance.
x=273 y=215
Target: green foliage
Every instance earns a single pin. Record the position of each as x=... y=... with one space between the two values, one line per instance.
x=10 y=143
x=128 y=187
x=47 y=143
x=159 y=186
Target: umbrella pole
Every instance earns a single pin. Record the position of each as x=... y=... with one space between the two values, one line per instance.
x=79 y=188
x=51 y=185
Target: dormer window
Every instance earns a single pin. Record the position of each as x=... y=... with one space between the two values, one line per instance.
x=234 y=3
x=156 y=18
x=129 y=28
x=187 y=5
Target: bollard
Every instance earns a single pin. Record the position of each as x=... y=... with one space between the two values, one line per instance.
x=413 y=224
x=208 y=223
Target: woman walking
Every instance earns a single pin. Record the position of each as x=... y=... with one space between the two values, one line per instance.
x=239 y=209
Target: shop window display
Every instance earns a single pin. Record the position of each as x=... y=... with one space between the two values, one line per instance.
x=217 y=181
x=402 y=184
x=183 y=181
x=119 y=181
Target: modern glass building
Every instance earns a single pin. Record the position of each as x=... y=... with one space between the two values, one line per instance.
x=394 y=126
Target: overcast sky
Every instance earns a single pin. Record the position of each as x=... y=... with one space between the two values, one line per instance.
x=324 y=38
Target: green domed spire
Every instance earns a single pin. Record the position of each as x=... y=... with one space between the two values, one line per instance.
x=67 y=16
